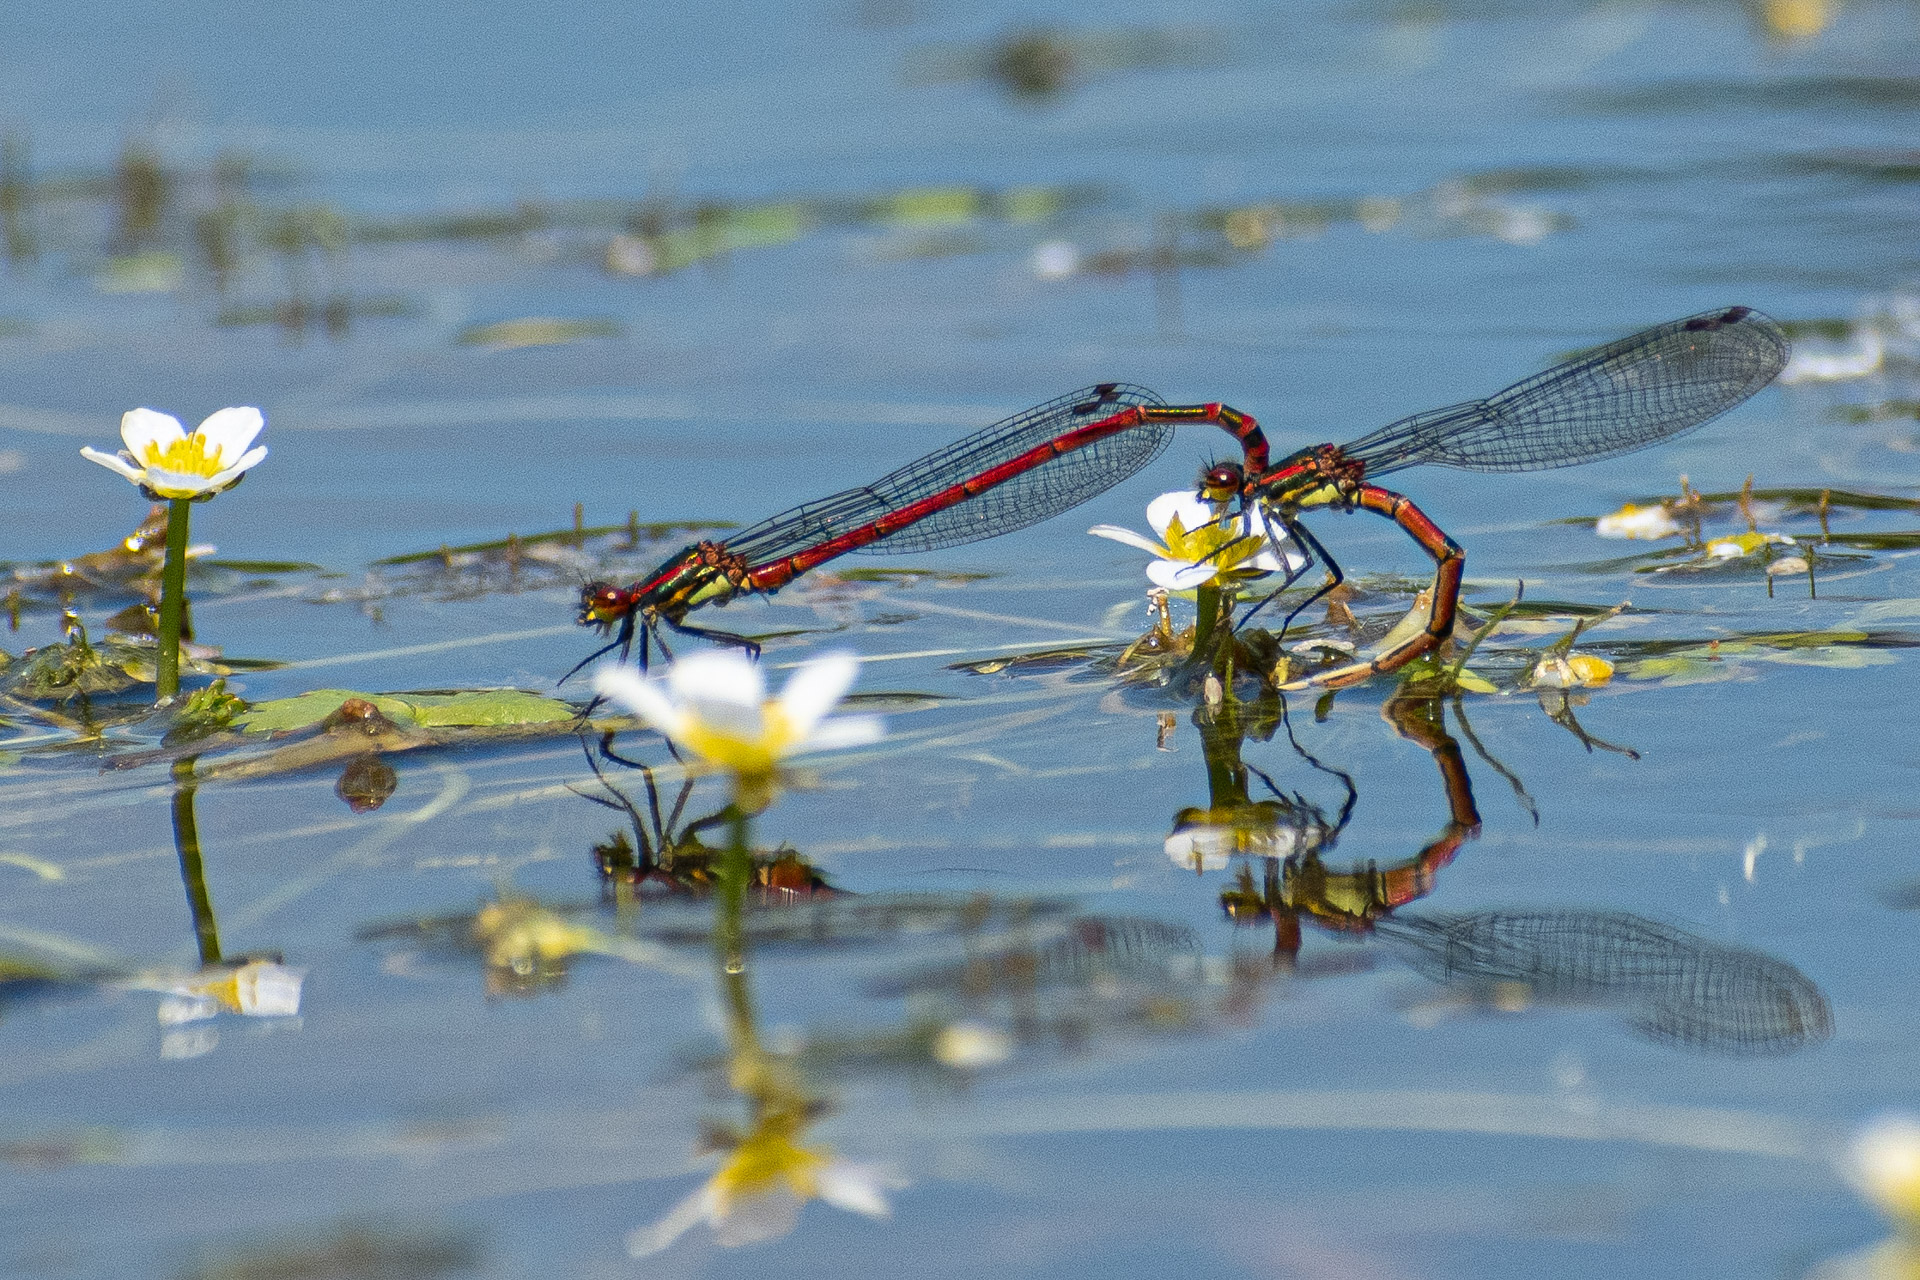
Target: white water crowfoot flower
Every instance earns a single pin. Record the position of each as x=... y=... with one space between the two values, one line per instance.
x=716 y=705
x=1201 y=547
x=168 y=463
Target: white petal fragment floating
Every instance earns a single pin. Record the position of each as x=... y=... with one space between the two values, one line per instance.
x=716 y=705
x=166 y=462
x=1200 y=546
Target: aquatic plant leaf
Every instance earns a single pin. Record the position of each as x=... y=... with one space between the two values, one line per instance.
x=62 y=672
x=474 y=708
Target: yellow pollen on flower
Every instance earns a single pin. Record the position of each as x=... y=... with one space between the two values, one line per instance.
x=187 y=456
x=1205 y=543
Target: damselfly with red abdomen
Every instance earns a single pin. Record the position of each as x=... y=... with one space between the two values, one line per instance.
x=1624 y=396
x=1016 y=473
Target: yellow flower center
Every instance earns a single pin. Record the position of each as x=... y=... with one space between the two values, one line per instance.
x=748 y=757
x=1221 y=543
x=187 y=456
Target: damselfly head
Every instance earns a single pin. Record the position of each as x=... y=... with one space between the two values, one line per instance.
x=1221 y=482
x=602 y=605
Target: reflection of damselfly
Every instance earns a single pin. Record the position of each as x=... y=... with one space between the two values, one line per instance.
x=1037 y=464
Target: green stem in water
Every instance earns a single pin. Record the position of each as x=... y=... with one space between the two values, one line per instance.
x=186 y=842
x=1206 y=619
x=173 y=600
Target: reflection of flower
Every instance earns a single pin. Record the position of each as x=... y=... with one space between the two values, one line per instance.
x=970 y=1046
x=1198 y=546
x=1883 y=1164
x=1638 y=522
x=256 y=989
x=757 y=1193
x=1205 y=839
x=716 y=705
x=166 y=462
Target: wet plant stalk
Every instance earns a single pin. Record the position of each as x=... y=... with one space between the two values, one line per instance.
x=186 y=841
x=1206 y=617
x=173 y=600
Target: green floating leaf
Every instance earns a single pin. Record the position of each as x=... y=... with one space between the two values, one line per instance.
x=486 y=708
x=472 y=708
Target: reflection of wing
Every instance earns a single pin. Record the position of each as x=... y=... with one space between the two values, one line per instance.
x=1076 y=956
x=848 y=919
x=1672 y=985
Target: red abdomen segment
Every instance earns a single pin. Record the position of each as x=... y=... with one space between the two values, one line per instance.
x=1450 y=564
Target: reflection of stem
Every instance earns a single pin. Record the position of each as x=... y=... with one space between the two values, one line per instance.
x=1565 y=718
x=736 y=868
x=1226 y=774
x=173 y=600
x=186 y=841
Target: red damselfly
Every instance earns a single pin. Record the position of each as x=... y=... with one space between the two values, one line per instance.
x=1013 y=474
x=1617 y=398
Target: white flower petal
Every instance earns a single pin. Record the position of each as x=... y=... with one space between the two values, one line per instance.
x=176 y=484
x=142 y=427
x=230 y=431
x=723 y=690
x=1183 y=503
x=703 y=1205
x=118 y=462
x=844 y=731
x=857 y=1188
x=1115 y=533
x=268 y=990
x=225 y=478
x=814 y=689
x=1554 y=673
x=1200 y=848
x=643 y=697
x=1176 y=576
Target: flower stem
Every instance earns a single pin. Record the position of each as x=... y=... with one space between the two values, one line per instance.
x=1206 y=617
x=173 y=601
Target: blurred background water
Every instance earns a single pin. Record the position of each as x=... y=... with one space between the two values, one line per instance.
x=480 y=265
